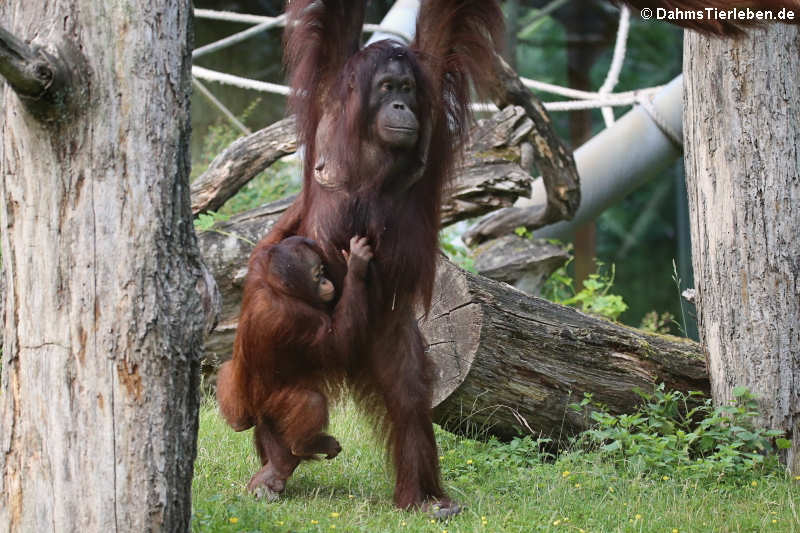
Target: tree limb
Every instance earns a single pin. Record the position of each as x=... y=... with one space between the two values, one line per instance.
x=240 y=162
x=553 y=159
x=48 y=82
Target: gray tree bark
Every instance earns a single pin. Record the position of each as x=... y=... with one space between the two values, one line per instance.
x=742 y=128
x=103 y=318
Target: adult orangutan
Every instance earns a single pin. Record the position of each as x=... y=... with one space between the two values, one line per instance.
x=289 y=345
x=382 y=129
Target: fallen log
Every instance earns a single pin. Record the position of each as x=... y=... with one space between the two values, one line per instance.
x=507 y=363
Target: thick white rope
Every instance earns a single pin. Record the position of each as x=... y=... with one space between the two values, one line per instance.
x=237 y=81
x=238 y=37
x=612 y=78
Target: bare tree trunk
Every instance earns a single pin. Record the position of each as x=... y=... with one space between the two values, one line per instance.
x=742 y=132
x=103 y=320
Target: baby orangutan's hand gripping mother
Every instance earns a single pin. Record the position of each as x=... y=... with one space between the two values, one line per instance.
x=288 y=345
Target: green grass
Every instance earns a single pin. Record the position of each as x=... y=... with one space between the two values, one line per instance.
x=505 y=487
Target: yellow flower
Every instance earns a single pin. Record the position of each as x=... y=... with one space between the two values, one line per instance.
x=433 y=521
x=638 y=517
x=577 y=485
x=334 y=515
x=350 y=496
x=233 y=520
x=674 y=530
x=797 y=478
x=774 y=521
x=469 y=461
x=556 y=522
x=565 y=473
x=610 y=489
x=441 y=457
x=754 y=483
x=333 y=526
x=280 y=523
x=315 y=522
x=665 y=478
x=483 y=518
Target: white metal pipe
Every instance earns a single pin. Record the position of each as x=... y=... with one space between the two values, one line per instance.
x=401 y=19
x=619 y=160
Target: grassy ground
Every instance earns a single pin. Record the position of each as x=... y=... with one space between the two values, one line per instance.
x=505 y=487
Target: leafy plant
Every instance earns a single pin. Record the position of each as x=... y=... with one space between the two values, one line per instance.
x=523 y=232
x=451 y=245
x=675 y=433
x=593 y=298
x=205 y=221
x=657 y=323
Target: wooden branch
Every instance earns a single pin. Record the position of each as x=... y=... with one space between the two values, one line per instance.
x=553 y=159
x=51 y=83
x=524 y=263
x=243 y=160
x=511 y=363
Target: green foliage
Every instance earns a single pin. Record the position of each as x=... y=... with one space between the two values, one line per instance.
x=281 y=179
x=683 y=434
x=278 y=181
x=451 y=245
x=206 y=221
x=523 y=232
x=658 y=323
x=593 y=298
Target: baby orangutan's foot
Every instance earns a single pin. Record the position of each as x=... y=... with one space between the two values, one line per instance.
x=322 y=444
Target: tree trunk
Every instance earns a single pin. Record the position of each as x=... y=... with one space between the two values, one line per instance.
x=743 y=180
x=100 y=370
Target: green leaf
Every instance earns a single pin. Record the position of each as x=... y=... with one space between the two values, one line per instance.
x=740 y=391
x=783 y=444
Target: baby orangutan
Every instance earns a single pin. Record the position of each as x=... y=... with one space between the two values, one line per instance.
x=291 y=340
